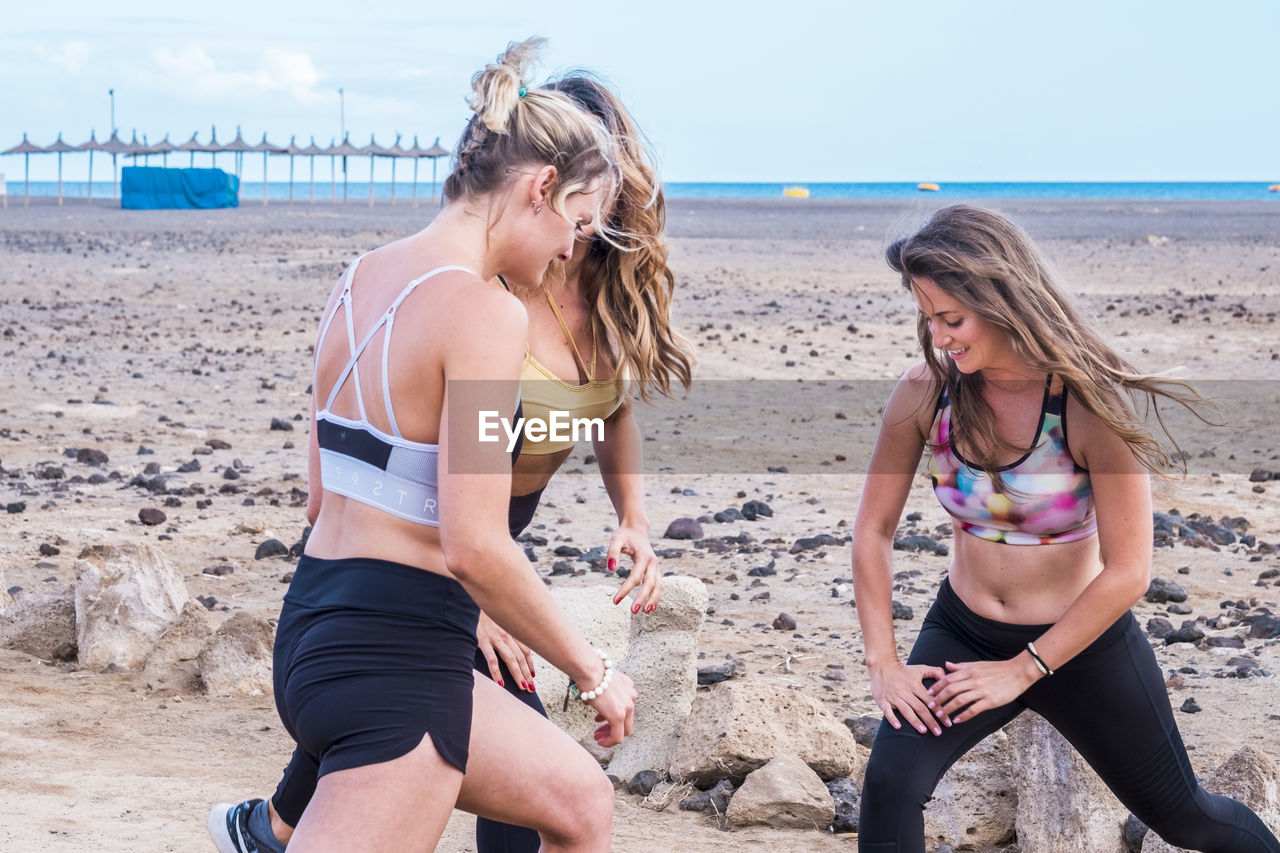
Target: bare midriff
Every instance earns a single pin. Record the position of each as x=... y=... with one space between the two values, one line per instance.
x=1021 y=584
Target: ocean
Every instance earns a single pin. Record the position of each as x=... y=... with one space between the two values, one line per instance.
x=358 y=191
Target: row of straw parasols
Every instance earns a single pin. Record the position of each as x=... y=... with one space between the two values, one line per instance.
x=238 y=148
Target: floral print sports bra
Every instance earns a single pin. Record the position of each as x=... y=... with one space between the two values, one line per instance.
x=1048 y=498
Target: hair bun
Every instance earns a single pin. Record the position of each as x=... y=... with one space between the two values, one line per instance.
x=495 y=90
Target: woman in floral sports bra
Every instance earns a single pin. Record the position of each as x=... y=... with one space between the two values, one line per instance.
x=1052 y=544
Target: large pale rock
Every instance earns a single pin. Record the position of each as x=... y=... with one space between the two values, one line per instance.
x=126 y=598
x=237 y=659
x=173 y=659
x=663 y=662
x=1063 y=807
x=1248 y=776
x=606 y=626
x=739 y=726
x=42 y=624
x=975 y=804
x=783 y=793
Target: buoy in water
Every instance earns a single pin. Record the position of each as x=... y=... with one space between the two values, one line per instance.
x=795 y=192
x=928 y=187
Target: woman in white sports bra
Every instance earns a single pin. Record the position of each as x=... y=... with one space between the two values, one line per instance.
x=376 y=641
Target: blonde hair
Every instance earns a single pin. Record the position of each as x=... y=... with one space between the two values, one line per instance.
x=991 y=267
x=516 y=126
x=625 y=270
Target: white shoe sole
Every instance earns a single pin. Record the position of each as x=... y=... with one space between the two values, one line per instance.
x=218 y=829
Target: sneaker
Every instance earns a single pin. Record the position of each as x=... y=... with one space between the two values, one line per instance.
x=229 y=826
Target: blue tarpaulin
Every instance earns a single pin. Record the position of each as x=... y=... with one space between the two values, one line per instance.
x=151 y=188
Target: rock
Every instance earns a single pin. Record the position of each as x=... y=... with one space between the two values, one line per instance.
x=864 y=728
x=126 y=597
x=739 y=726
x=751 y=510
x=728 y=515
x=715 y=801
x=920 y=542
x=1249 y=776
x=708 y=675
x=1264 y=628
x=763 y=571
x=811 y=543
x=271 y=548
x=43 y=625
x=606 y=626
x=1159 y=627
x=217 y=444
x=1134 y=832
x=172 y=661
x=1259 y=475
x=784 y=622
x=1190 y=706
x=847 y=800
x=975 y=803
x=902 y=611
x=220 y=570
x=281 y=425
x=189 y=467
x=237 y=659
x=91 y=456
x=1063 y=807
x=151 y=517
x=49 y=550
x=642 y=783
x=1224 y=643
x=783 y=793
x=662 y=659
x=15 y=507
x=683 y=528
x=1188 y=633
x=1162 y=590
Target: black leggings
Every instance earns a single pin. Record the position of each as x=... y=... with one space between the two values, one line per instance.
x=298 y=784
x=1109 y=701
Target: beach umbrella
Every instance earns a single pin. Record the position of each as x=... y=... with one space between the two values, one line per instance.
x=333 y=169
x=26 y=149
x=309 y=152
x=91 y=146
x=214 y=147
x=192 y=145
x=396 y=153
x=346 y=149
x=267 y=148
x=114 y=146
x=59 y=147
x=373 y=150
x=435 y=152
x=416 y=152
x=238 y=146
x=163 y=147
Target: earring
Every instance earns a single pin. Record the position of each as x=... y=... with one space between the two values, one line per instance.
x=537 y=207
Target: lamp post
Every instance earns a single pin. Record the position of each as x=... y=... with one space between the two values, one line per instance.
x=115 y=172
x=342 y=131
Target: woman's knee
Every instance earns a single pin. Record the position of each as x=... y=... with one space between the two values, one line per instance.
x=893 y=778
x=583 y=814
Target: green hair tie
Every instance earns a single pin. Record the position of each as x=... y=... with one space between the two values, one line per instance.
x=523 y=91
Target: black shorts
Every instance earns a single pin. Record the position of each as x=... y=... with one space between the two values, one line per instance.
x=370 y=656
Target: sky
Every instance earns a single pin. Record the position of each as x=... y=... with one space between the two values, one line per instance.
x=746 y=91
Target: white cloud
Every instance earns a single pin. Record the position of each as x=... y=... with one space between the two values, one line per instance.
x=190 y=69
x=70 y=56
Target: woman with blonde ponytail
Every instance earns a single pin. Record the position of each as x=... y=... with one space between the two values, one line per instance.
x=376 y=640
x=1052 y=544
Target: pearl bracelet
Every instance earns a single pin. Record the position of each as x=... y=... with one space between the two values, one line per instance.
x=587 y=696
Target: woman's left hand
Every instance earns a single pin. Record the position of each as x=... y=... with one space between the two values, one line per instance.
x=645 y=577
x=980 y=685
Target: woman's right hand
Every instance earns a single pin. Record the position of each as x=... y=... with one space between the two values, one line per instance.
x=898 y=688
x=616 y=709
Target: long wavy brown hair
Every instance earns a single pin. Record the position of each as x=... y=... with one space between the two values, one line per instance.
x=992 y=267
x=625 y=272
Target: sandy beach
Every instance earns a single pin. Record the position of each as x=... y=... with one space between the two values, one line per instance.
x=144 y=335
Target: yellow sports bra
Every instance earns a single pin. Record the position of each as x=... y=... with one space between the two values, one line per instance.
x=548 y=398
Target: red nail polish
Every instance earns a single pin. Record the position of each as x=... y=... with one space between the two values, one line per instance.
x=524 y=686
x=635 y=609
x=532 y=687
x=612 y=564
x=500 y=682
